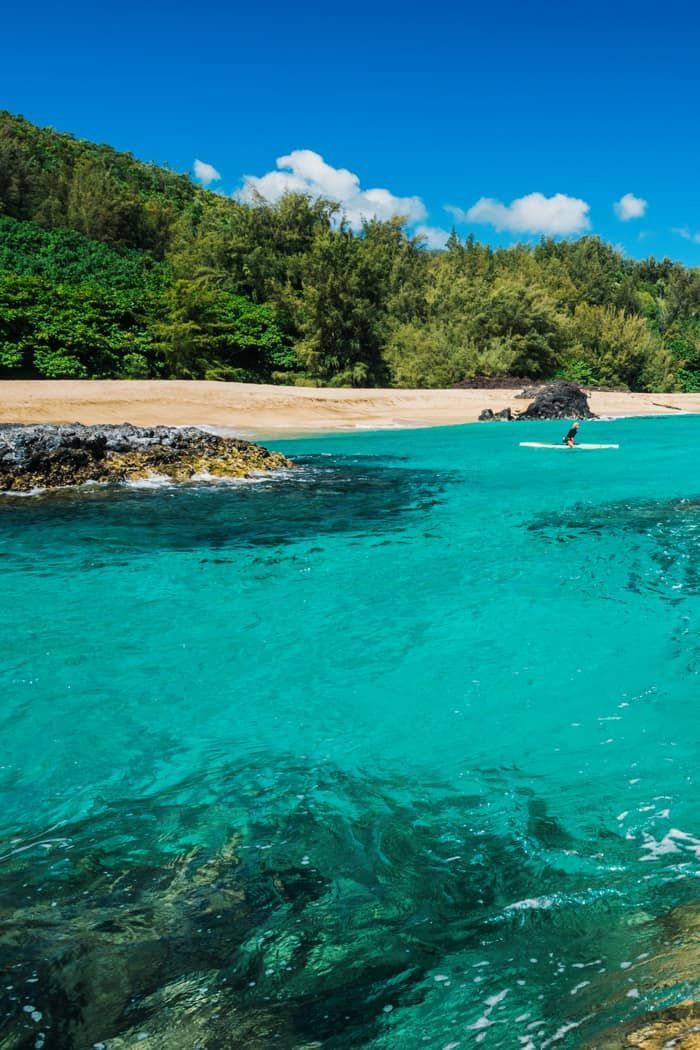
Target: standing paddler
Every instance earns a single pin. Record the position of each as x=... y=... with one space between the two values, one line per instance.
x=570 y=438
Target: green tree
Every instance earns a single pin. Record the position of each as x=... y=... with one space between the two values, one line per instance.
x=109 y=266
x=208 y=333
x=340 y=315
x=618 y=349
x=60 y=331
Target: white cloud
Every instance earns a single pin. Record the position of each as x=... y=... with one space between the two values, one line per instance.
x=686 y=234
x=434 y=238
x=303 y=171
x=206 y=173
x=553 y=216
x=458 y=214
x=630 y=207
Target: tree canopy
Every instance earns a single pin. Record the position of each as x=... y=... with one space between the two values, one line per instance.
x=110 y=267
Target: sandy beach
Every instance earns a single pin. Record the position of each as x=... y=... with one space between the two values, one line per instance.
x=260 y=410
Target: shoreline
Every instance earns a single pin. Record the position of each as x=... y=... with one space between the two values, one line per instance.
x=253 y=410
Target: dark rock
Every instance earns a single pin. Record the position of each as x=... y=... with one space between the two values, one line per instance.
x=51 y=456
x=488 y=415
x=530 y=392
x=559 y=400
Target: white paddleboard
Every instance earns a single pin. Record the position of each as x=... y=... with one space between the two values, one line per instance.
x=561 y=445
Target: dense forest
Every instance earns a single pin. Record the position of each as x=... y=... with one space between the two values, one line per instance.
x=114 y=268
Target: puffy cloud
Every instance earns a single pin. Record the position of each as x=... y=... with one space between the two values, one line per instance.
x=303 y=171
x=433 y=237
x=558 y=215
x=630 y=207
x=206 y=173
x=458 y=214
x=687 y=234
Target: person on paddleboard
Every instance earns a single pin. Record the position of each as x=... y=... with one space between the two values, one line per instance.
x=570 y=438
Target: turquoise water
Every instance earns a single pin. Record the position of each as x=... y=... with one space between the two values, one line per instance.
x=398 y=749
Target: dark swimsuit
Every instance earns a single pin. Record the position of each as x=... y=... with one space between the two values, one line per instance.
x=571 y=436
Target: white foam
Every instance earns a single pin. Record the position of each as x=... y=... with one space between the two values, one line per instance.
x=153 y=481
x=494 y=1000
x=564 y=1030
x=203 y=477
x=30 y=492
x=485 y=1020
x=534 y=903
x=670 y=843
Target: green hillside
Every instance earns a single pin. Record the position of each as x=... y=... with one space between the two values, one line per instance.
x=110 y=267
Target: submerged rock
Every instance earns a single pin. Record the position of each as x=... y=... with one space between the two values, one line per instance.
x=677 y=1027
x=53 y=456
x=559 y=400
x=294 y=925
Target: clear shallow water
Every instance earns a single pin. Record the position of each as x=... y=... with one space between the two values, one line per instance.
x=397 y=750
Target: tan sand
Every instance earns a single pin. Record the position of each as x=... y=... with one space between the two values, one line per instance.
x=259 y=410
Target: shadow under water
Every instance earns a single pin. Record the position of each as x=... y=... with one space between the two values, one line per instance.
x=308 y=907
x=322 y=496
x=664 y=534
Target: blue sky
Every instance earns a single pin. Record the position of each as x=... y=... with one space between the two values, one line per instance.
x=471 y=107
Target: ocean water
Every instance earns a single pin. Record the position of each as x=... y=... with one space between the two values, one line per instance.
x=397 y=749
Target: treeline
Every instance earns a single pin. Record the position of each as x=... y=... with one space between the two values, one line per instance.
x=71 y=307
x=114 y=268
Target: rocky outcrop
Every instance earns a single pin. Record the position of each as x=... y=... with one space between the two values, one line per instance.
x=50 y=456
x=559 y=400
x=530 y=392
x=488 y=414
